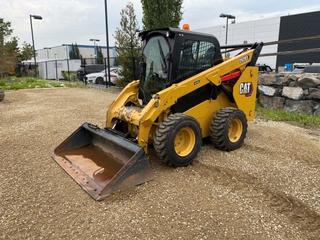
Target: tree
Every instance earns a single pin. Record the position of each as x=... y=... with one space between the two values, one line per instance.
x=71 y=52
x=26 y=52
x=8 y=49
x=77 y=51
x=99 y=55
x=161 y=13
x=74 y=52
x=127 y=43
x=5 y=31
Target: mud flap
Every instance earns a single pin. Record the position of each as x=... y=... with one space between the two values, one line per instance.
x=101 y=161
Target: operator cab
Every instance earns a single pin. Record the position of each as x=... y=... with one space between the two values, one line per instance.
x=171 y=55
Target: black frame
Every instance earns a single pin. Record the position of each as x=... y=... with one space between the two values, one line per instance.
x=176 y=38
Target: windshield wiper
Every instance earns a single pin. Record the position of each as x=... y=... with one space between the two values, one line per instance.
x=162 y=56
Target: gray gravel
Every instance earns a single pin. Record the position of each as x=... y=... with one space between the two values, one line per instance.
x=269 y=189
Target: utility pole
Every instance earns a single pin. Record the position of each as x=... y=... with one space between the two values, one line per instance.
x=108 y=83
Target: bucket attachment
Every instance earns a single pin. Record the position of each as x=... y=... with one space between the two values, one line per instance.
x=101 y=161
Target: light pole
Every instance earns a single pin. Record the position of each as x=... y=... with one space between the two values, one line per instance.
x=95 y=47
x=107 y=40
x=36 y=17
x=227 y=16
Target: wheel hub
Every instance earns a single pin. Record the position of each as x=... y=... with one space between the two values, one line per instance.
x=184 y=141
x=235 y=130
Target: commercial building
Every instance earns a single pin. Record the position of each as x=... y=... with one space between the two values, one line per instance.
x=63 y=52
x=53 y=61
x=275 y=29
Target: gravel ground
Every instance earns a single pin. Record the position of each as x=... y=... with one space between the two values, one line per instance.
x=269 y=189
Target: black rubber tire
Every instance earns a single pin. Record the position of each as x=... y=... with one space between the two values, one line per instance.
x=163 y=140
x=99 y=80
x=1 y=95
x=220 y=126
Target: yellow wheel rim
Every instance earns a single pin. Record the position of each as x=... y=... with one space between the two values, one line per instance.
x=235 y=130
x=184 y=141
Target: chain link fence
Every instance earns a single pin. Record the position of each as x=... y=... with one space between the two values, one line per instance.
x=65 y=69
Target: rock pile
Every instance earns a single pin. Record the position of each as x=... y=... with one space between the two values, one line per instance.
x=291 y=92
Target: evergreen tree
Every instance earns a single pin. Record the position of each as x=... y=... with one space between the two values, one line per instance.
x=74 y=52
x=71 y=52
x=127 y=43
x=26 y=52
x=161 y=13
x=99 y=55
x=77 y=51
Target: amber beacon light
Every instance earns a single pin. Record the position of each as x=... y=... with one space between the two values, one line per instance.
x=186 y=27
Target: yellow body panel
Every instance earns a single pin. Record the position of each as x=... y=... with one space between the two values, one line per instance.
x=204 y=112
x=145 y=117
x=246 y=101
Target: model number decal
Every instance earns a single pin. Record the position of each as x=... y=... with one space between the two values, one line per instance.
x=196 y=82
x=246 y=88
x=244 y=59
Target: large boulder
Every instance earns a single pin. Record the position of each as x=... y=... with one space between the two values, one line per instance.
x=270 y=79
x=314 y=93
x=303 y=106
x=266 y=90
x=292 y=77
x=308 y=81
x=271 y=102
x=295 y=93
x=293 y=84
x=1 y=95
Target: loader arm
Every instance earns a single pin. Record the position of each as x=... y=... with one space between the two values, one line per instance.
x=163 y=100
x=187 y=92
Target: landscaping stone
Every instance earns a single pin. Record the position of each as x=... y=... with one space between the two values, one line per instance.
x=295 y=93
x=314 y=93
x=271 y=102
x=292 y=77
x=305 y=106
x=308 y=81
x=272 y=79
x=292 y=84
x=266 y=90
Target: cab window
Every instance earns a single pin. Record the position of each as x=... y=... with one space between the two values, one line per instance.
x=195 y=56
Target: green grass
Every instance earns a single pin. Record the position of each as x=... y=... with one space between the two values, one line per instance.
x=15 y=83
x=281 y=115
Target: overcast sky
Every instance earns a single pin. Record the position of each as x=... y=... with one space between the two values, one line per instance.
x=70 y=21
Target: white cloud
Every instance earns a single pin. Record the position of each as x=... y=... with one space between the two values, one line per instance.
x=67 y=21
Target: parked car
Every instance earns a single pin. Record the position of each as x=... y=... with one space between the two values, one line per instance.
x=93 y=68
x=312 y=69
x=101 y=77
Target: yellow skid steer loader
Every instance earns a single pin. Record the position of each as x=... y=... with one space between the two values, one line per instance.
x=187 y=92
